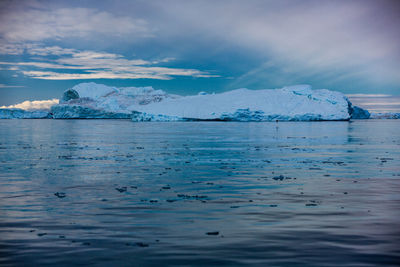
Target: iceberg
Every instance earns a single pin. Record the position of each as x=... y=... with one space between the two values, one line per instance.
x=292 y=103
x=84 y=112
x=91 y=100
x=390 y=115
x=15 y=113
x=359 y=113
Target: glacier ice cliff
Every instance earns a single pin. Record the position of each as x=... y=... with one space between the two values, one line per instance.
x=293 y=103
x=15 y=113
x=79 y=112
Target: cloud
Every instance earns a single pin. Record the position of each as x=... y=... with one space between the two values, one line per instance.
x=342 y=45
x=10 y=49
x=25 y=27
x=44 y=23
x=96 y=65
x=34 y=105
x=354 y=40
x=99 y=59
x=376 y=102
x=35 y=49
x=50 y=50
x=368 y=95
x=133 y=73
x=10 y=86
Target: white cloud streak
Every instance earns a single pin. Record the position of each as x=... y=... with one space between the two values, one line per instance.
x=50 y=50
x=142 y=73
x=97 y=65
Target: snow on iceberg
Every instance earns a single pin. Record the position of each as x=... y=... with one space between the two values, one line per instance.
x=293 y=103
x=15 y=113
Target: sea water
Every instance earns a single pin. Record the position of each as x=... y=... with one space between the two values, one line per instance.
x=114 y=192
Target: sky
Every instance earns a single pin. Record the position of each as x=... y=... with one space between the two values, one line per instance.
x=184 y=47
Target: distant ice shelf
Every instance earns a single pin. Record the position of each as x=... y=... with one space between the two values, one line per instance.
x=15 y=113
x=390 y=115
x=292 y=103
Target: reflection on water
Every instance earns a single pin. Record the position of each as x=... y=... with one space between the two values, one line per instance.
x=113 y=192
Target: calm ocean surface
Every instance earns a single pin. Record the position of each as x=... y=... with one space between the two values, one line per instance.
x=114 y=192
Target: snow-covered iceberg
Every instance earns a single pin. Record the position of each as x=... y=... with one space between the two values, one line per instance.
x=293 y=103
x=15 y=113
